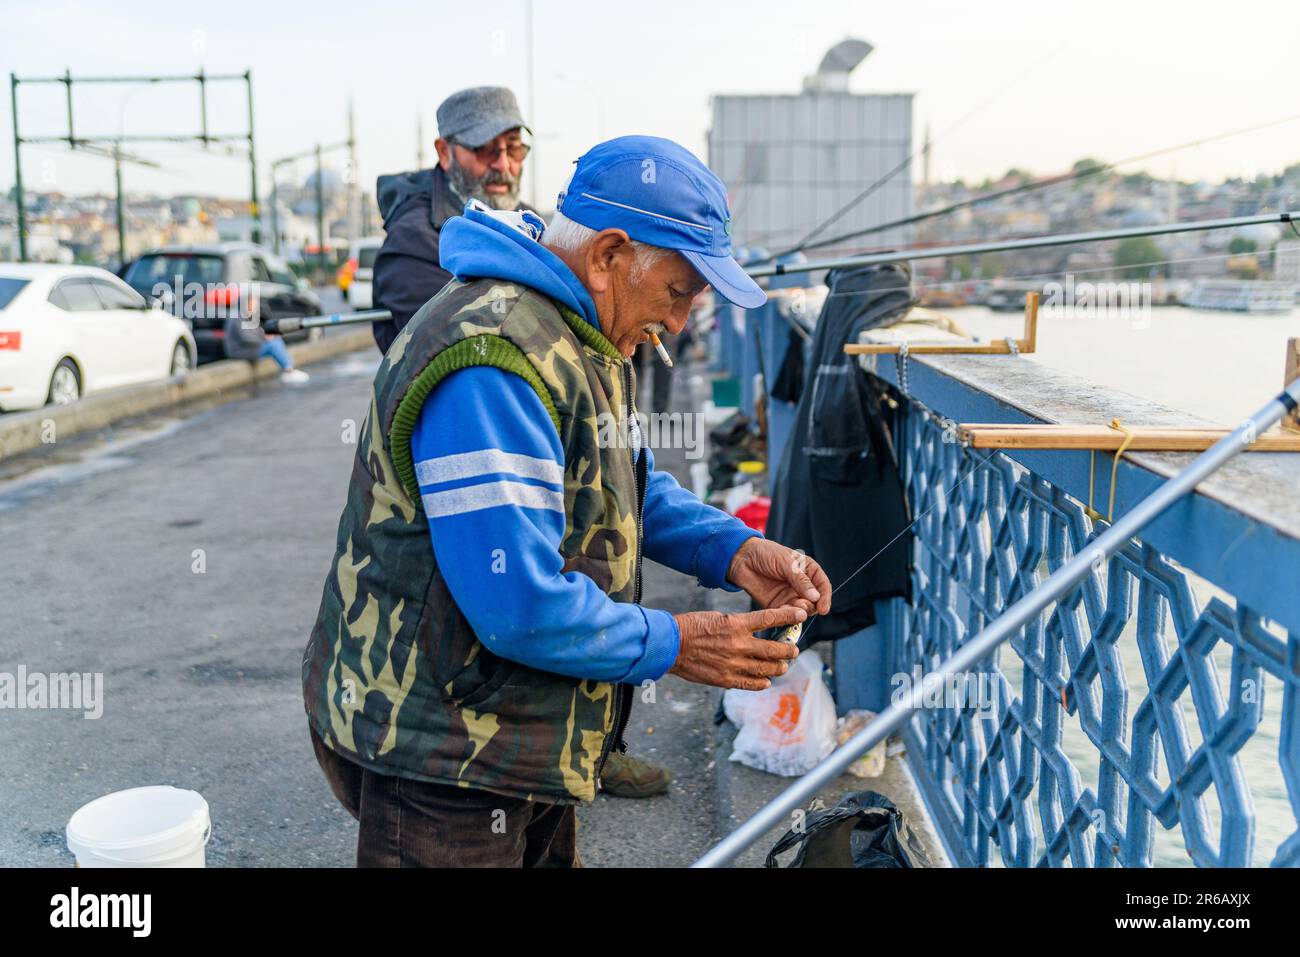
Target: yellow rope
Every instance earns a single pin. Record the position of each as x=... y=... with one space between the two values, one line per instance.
x=1091 y=512
x=1114 y=472
x=1114 y=468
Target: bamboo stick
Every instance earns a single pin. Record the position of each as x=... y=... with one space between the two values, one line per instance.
x=1027 y=343
x=1292 y=420
x=1003 y=435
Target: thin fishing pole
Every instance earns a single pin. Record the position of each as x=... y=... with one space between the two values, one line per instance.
x=1048 y=183
x=1017 y=244
x=906 y=163
x=947 y=283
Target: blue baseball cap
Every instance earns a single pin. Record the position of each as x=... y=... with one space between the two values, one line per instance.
x=660 y=194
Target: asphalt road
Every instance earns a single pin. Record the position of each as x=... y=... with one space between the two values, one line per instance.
x=183 y=558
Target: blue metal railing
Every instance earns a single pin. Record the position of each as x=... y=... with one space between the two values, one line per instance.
x=989 y=531
x=1152 y=717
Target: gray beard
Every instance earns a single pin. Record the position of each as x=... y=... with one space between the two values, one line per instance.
x=467 y=187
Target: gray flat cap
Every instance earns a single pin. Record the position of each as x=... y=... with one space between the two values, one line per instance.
x=478 y=115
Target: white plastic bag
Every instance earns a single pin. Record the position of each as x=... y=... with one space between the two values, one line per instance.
x=788 y=728
x=871 y=764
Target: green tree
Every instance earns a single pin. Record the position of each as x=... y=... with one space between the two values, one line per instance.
x=1240 y=245
x=1131 y=253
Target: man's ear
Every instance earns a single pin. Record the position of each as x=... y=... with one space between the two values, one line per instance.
x=443 y=149
x=608 y=248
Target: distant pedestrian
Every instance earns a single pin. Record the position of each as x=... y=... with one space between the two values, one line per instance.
x=246 y=340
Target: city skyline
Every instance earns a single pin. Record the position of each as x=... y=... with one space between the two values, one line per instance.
x=1144 y=87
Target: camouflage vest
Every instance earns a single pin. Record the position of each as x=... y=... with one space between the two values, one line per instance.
x=393 y=676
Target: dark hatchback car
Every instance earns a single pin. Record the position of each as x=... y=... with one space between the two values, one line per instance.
x=206 y=284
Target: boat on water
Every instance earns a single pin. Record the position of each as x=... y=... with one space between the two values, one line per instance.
x=942 y=298
x=1010 y=296
x=1238 y=295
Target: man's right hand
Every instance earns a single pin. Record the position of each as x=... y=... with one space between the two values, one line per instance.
x=720 y=649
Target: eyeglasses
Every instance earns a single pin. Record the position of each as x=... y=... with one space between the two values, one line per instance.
x=488 y=154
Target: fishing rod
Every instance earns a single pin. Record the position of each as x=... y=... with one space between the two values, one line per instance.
x=295 y=323
x=1059 y=584
x=1030 y=242
x=906 y=163
x=1048 y=183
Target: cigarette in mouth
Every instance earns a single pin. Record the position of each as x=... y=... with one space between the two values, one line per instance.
x=659 y=348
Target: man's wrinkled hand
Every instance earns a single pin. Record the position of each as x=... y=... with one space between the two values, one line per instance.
x=720 y=649
x=774 y=575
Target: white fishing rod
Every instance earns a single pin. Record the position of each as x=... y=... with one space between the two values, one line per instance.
x=1055 y=587
x=1030 y=242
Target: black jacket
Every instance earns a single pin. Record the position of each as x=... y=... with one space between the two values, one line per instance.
x=407 y=274
x=838 y=494
x=407 y=271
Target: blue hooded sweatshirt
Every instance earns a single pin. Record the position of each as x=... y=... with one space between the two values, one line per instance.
x=491 y=473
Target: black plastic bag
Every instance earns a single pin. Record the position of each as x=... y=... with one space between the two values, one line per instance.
x=865 y=829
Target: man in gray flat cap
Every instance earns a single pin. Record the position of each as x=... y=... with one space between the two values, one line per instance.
x=481 y=154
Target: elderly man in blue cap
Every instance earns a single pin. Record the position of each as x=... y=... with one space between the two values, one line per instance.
x=481 y=638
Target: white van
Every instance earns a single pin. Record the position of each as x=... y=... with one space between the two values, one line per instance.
x=360 y=294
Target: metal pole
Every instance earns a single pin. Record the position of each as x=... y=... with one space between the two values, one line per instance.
x=1007 y=245
x=532 y=101
x=1058 y=584
x=21 y=226
x=67 y=82
x=294 y=323
x=255 y=208
x=275 y=208
x=203 y=108
x=320 y=214
x=354 y=200
x=121 y=206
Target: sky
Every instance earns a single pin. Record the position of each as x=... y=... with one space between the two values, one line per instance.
x=1000 y=84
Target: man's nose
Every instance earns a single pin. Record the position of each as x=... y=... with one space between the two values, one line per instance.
x=501 y=162
x=676 y=323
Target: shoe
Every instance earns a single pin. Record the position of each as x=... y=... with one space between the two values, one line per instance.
x=628 y=777
x=294 y=377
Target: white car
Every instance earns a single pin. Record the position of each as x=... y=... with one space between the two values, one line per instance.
x=361 y=259
x=69 y=330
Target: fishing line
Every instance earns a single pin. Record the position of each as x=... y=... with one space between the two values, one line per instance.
x=1023 y=188
x=844 y=210
x=808 y=622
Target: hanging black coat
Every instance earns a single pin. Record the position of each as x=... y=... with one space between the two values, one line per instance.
x=838 y=494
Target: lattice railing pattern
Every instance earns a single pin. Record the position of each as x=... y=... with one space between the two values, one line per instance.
x=1133 y=633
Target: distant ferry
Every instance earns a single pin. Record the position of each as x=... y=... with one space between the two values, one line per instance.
x=1010 y=297
x=1236 y=295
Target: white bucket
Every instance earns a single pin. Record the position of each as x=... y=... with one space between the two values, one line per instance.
x=159 y=826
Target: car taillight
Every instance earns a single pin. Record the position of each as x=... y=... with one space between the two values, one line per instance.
x=222 y=296
x=11 y=340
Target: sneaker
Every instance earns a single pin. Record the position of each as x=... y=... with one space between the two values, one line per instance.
x=629 y=777
x=294 y=377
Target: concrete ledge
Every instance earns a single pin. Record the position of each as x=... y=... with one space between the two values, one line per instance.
x=21 y=431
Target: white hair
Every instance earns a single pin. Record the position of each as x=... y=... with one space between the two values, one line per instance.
x=567 y=236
